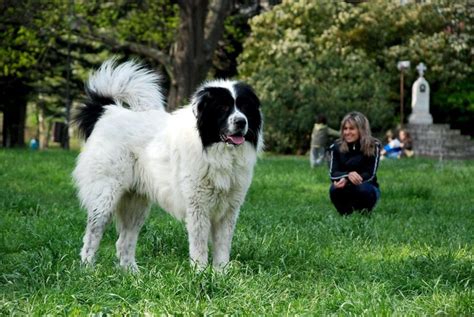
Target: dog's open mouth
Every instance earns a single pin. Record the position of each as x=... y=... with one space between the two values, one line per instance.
x=233 y=139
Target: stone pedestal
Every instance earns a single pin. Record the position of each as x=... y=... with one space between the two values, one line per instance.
x=440 y=141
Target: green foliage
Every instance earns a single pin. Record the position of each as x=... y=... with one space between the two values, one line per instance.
x=21 y=41
x=292 y=253
x=35 y=49
x=152 y=23
x=331 y=57
x=458 y=104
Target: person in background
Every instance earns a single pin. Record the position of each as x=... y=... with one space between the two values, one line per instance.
x=406 y=144
x=393 y=147
x=353 y=166
x=319 y=140
x=34 y=144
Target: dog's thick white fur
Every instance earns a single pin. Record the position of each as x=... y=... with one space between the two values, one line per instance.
x=139 y=155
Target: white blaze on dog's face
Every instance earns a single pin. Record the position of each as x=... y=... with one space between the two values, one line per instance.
x=237 y=126
x=227 y=112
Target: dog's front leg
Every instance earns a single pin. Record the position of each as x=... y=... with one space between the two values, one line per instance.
x=198 y=226
x=222 y=233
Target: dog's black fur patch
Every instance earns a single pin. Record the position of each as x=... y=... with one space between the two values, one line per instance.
x=214 y=107
x=90 y=112
x=249 y=104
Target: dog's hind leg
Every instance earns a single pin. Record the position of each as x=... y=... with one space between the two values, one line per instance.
x=100 y=210
x=131 y=214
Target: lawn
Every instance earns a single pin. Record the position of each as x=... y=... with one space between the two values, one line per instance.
x=292 y=253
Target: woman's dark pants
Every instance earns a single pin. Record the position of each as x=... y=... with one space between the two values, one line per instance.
x=352 y=198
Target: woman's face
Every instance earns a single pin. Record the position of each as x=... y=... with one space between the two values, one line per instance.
x=350 y=132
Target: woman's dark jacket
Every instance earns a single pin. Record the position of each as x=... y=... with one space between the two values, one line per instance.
x=354 y=160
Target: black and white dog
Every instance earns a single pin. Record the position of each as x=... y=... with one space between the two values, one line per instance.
x=196 y=163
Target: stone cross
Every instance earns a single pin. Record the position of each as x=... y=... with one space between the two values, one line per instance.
x=421 y=69
x=420 y=99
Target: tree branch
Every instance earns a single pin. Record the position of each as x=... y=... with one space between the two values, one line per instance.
x=214 y=27
x=132 y=47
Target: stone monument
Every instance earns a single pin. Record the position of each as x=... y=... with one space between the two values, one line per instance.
x=434 y=140
x=420 y=99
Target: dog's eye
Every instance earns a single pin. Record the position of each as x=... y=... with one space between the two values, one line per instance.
x=225 y=108
x=243 y=106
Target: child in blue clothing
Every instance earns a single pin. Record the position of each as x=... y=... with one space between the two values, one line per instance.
x=393 y=148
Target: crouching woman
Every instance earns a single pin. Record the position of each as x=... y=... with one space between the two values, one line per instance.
x=353 y=166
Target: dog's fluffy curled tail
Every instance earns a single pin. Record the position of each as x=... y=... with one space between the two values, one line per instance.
x=128 y=84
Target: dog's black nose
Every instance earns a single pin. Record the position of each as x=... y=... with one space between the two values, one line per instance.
x=240 y=122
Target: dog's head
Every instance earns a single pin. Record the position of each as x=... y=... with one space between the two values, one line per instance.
x=227 y=111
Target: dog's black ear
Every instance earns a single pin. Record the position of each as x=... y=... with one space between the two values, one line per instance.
x=211 y=107
x=246 y=92
x=200 y=100
x=248 y=103
x=213 y=99
x=204 y=98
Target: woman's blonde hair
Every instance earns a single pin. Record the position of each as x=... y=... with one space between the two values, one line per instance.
x=367 y=142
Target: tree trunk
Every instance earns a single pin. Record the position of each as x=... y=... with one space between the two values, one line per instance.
x=201 y=26
x=188 y=52
x=43 y=127
x=14 y=125
x=14 y=100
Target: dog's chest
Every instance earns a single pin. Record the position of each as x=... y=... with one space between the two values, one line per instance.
x=218 y=184
x=220 y=192
x=225 y=172
x=224 y=183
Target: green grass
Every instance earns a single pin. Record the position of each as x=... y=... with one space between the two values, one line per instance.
x=292 y=253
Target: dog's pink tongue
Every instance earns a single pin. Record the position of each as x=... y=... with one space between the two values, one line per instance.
x=236 y=139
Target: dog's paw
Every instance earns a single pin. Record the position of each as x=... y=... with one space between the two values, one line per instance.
x=130 y=267
x=87 y=260
x=86 y=266
x=223 y=268
x=198 y=267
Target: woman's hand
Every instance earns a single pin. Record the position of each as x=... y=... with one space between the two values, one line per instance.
x=340 y=183
x=355 y=178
